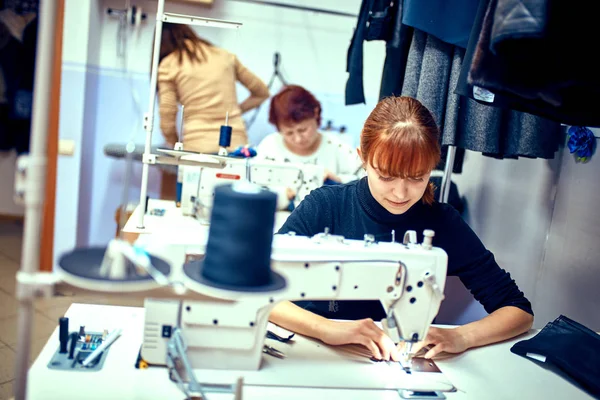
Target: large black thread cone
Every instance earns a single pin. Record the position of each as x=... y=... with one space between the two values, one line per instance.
x=238 y=252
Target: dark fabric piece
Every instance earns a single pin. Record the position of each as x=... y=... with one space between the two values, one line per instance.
x=18 y=65
x=428 y=76
x=396 y=53
x=536 y=54
x=448 y=20
x=570 y=347
x=431 y=73
x=499 y=131
x=519 y=19
x=350 y=210
x=375 y=20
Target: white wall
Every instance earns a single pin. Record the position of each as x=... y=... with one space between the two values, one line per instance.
x=568 y=277
x=540 y=219
x=76 y=37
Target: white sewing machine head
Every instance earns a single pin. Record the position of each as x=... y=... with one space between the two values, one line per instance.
x=198 y=187
x=408 y=278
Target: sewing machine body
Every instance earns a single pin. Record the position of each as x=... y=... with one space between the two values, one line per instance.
x=227 y=330
x=199 y=183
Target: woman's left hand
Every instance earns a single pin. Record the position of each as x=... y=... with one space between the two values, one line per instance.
x=442 y=340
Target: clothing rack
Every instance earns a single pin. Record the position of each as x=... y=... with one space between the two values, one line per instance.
x=446 y=177
x=299 y=8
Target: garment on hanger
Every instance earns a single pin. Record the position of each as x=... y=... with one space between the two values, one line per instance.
x=22 y=6
x=493 y=126
x=17 y=61
x=402 y=74
x=432 y=73
x=396 y=53
x=375 y=22
x=427 y=78
x=535 y=56
x=448 y=20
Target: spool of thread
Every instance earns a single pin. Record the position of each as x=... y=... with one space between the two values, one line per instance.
x=179 y=185
x=63 y=333
x=225 y=136
x=238 y=252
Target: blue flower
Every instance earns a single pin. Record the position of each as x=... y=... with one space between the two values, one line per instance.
x=581 y=142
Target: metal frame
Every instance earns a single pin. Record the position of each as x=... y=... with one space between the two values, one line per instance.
x=30 y=282
x=299 y=8
x=446 y=178
x=161 y=16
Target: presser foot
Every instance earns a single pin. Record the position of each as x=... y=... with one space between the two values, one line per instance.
x=407 y=356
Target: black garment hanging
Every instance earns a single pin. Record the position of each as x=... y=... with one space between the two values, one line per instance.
x=491 y=126
x=448 y=20
x=375 y=22
x=536 y=56
x=18 y=65
x=396 y=53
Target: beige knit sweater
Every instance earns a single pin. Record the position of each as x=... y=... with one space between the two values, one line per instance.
x=207 y=90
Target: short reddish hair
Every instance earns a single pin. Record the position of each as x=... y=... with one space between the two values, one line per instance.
x=294 y=104
x=401 y=137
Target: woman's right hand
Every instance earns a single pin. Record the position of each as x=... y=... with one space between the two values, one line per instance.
x=363 y=332
x=290 y=193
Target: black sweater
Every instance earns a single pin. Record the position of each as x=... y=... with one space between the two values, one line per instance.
x=351 y=211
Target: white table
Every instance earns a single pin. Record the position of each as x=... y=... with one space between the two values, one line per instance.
x=491 y=372
x=174 y=221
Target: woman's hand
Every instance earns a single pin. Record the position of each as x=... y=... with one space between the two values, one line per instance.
x=447 y=340
x=363 y=332
x=290 y=193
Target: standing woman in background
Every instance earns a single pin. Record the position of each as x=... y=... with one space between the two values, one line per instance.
x=202 y=77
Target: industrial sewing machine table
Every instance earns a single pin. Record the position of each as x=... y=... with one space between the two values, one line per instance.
x=490 y=372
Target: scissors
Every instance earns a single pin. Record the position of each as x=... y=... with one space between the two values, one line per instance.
x=273 y=352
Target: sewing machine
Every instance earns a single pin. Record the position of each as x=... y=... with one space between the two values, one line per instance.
x=199 y=182
x=227 y=330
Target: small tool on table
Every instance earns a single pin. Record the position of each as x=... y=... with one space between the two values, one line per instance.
x=272 y=351
x=109 y=340
x=74 y=337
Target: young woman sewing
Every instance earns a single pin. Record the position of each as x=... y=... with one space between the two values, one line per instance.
x=399 y=147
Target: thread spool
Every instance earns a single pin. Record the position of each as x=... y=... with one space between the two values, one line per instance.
x=238 y=252
x=225 y=136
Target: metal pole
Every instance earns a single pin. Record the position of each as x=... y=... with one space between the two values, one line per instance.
x=446 y=178
x=35 y=188
x=299 y=8
x=149 y=117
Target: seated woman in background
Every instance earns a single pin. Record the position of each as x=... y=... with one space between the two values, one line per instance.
x=202 y=77
x=297 y=115
x=399 y=148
